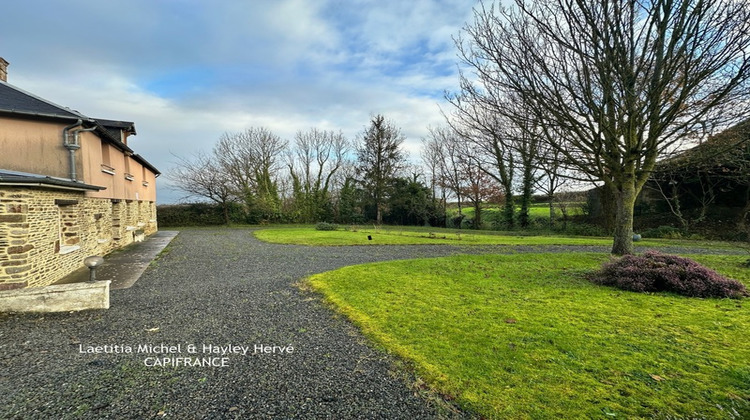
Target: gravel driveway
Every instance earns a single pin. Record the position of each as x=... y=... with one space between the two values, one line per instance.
x=217 y=290
x=261 y=348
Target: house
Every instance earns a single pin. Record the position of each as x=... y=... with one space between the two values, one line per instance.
x=704 y=190
x=713 y=173
x=70 y=187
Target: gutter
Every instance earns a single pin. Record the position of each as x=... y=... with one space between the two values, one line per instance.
x=39 y=115
x=71 y=149
x=73 y=146
x=47 y=185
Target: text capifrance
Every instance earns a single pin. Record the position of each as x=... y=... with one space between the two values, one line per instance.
x=187 y=355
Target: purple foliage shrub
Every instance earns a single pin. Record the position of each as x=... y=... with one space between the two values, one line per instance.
x=657 y=272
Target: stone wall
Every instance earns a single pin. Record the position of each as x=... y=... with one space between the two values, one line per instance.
x=46 y=234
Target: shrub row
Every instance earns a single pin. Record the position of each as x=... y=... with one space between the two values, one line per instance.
x=665 y=232
x=326 y=226
x=196 y=214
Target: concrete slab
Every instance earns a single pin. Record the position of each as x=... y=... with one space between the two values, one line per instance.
x=57 y=298
x=125 y=266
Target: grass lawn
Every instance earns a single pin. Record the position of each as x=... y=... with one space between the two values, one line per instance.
x=540 y=210
x=398 y=235
x=525 y=336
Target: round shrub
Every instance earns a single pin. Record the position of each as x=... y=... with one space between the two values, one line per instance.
x=657 y=272
x=326 y=226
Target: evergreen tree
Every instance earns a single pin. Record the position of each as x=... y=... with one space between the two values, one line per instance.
x=379 y=158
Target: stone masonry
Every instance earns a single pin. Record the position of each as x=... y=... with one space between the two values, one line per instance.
x=46 y=234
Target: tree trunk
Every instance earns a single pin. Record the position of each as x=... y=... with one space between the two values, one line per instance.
x=743 y=224
x=225 y=207
x=528 y=186
x=607 y=200
x=551 y=211
x=508 y=210
x=477 y=214
x=445 y=209
x=460 y=211
x=523 y=214
x=625 y=202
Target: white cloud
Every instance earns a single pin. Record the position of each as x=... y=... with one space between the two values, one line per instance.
x=187 y=71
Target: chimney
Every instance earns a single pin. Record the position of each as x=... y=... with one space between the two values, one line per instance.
x=3 y=69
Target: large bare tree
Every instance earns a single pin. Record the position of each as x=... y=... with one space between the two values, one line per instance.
x=314 y=160
x=612 y=84
x=447 y=147
x=553 y=177
x=201 y=177
x=251 y=160
x=491 y=136
x=432 y=158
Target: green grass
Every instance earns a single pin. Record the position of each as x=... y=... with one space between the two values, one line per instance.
x=525 y=336
x=537 y=210
x=408 y=236
x=420 y=236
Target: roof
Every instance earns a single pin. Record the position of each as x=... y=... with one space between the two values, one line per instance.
x=116 y=126
x=24 y=179
x=144 y=162
x=17 y=101
x=720 y=149
x=725 y=156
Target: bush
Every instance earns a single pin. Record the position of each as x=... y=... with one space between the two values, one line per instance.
x=663 y=232
x=538 y=223
x=657 y=272
x=326 y=226
x=197 y=214
x=467 y=223
x=582 y=229
x=456 y=221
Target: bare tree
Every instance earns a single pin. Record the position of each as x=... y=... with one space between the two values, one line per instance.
x=488 y=133
x=554 y=176
x=665 y=182
x=202 y=177
x=250 y=159
x=477 y=187
x=431 y=155
x=624 y=81
x=526 y=143
x=313 y=163
x=379 y=158
x=434 y=157
x=448 y=148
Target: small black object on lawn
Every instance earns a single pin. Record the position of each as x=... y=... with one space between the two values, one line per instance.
x=369 y=237
x=92 y=262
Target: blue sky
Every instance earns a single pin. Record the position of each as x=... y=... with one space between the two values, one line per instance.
x=186 y=71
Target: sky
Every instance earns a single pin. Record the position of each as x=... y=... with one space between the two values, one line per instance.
x=186 y=71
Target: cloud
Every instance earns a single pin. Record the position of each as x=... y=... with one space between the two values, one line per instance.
x=186 y=71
